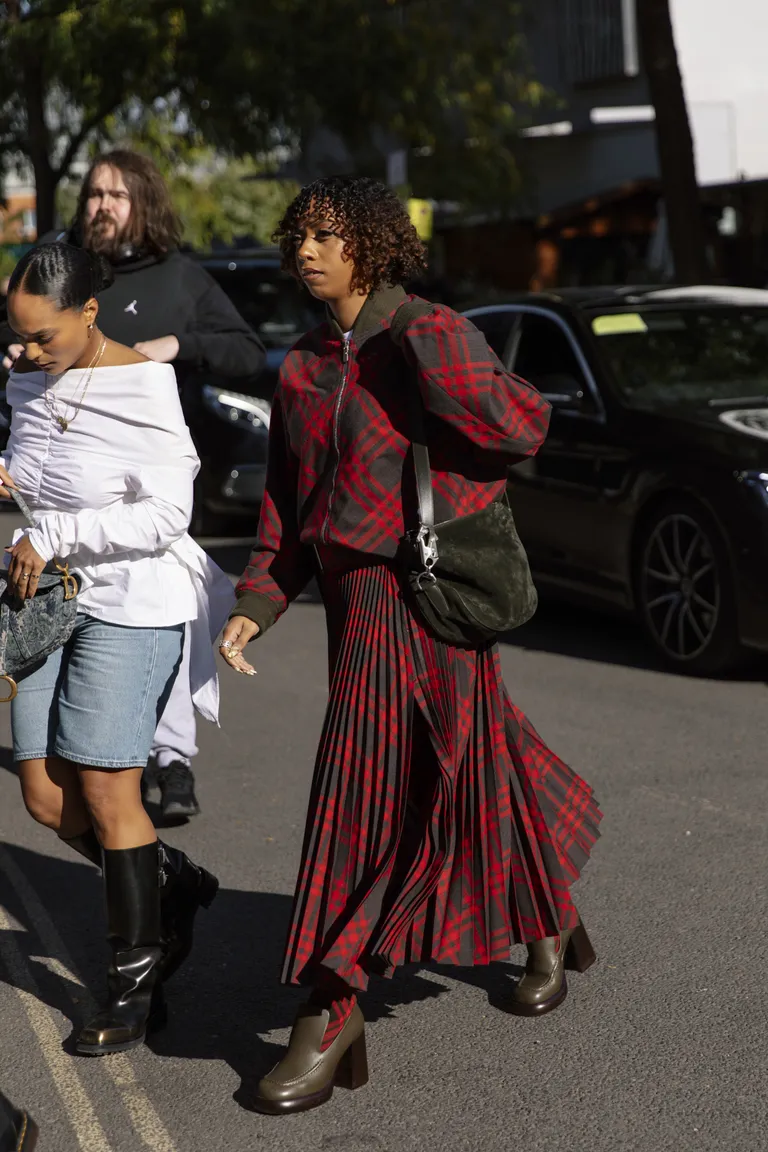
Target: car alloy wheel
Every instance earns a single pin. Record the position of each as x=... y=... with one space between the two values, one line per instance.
x=681 y=588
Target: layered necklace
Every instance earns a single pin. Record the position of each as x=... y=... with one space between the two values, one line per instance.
x=63 y=417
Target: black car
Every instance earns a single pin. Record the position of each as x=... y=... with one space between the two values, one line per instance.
x=229 y=419
x=650 y=494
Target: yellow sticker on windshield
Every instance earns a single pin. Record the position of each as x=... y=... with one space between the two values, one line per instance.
x=618 y=323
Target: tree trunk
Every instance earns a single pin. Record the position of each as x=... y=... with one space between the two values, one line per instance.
x=674 y=141
x=45 y=195
x=39 y=146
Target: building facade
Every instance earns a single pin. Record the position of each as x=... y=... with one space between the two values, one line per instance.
x=600 y=133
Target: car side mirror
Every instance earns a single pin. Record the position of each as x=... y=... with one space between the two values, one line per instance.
x=561 y=390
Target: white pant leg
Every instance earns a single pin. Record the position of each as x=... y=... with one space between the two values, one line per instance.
x=177 y=730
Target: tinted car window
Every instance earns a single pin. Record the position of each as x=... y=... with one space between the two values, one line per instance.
x=686 y=355
x=271 y=302
x=545 y=357
x=495 y=326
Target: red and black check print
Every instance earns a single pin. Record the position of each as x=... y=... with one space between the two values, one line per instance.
x=440 y=826
x=339 y=441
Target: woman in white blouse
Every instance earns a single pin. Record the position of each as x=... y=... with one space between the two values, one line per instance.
x=100 y=451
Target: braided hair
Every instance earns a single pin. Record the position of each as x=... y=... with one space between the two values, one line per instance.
x=68 y=276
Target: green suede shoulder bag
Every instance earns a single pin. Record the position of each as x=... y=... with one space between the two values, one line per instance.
x=467 y=578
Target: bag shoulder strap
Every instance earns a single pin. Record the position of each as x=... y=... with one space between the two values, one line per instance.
x=421 y=465
x=405 y=314
x=22 y=506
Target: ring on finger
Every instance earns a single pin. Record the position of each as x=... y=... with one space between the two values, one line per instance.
x=226 y=644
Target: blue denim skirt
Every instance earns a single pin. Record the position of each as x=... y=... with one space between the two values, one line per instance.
x=98 y=699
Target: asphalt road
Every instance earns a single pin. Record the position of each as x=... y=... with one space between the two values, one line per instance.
x=661 y=1046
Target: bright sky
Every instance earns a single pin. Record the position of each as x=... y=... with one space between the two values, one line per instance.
x=723 y=51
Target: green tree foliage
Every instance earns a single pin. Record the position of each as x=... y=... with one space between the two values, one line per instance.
x=445 y=79
x=230 y=200
x=70 y=64
x=218 y=198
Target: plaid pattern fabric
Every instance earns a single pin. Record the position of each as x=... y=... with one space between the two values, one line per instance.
x=440 y=826
x=339 y=438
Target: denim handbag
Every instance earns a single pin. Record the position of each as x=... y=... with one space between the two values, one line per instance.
x=32 y=629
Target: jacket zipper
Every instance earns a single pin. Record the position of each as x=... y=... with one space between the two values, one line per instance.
x=336 y=414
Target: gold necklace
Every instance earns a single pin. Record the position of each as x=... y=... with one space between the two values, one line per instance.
x=64 y=419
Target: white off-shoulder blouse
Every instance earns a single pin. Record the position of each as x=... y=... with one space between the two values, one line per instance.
x=113 y=494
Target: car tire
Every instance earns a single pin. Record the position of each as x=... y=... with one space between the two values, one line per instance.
x=684 y=589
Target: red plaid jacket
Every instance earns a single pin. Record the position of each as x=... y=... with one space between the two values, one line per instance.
x=339 y=467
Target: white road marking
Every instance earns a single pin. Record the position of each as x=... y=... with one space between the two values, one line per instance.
x=146 y=1121
x=89 y=1132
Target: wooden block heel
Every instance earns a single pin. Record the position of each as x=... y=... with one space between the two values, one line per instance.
x=579 y=954
x=352 y=1071
x=307 y=1075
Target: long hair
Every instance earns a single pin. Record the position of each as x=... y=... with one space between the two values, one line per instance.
x=153 y=225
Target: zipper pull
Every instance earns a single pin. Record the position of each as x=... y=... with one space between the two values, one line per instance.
x=344 y=351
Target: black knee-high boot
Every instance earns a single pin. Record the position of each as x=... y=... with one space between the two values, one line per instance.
x=18 y=1131
x=134 y=997
x=185 y=888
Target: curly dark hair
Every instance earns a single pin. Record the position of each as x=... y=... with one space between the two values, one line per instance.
x=380 y=239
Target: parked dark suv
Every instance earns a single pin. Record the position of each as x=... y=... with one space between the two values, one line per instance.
x=229 y=419
x=650 y=494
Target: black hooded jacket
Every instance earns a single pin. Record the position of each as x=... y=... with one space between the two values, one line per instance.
x=174 y=296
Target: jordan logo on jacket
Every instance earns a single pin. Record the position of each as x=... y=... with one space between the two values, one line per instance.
x=131 y=308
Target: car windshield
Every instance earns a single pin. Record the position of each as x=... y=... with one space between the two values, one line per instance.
x=272 y=303
x=709 y=355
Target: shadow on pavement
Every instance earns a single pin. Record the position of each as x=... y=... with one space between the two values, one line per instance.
x=587 y=634
x=560 y=628
x=227 y=1000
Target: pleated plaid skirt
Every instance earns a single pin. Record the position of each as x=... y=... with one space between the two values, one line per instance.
x=440 y=825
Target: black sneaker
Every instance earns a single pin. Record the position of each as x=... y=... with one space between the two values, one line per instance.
x=177 y=791
x=149 y=780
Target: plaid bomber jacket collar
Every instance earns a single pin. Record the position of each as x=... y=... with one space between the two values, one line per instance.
x=339 y=469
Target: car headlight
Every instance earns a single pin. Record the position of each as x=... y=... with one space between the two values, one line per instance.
x=247 y=412
x=756 y=482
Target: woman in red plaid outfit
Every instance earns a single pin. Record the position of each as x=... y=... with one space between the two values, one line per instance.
x=440 y=827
